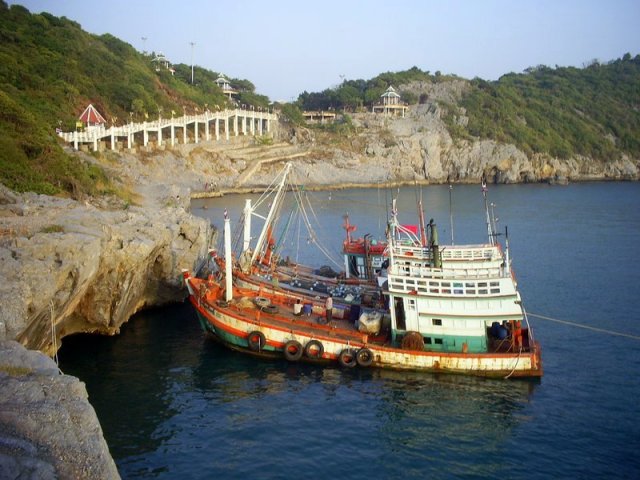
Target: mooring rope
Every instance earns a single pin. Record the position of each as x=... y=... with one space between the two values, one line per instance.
x=586 y=327
x=515 y=364
x=54 y=339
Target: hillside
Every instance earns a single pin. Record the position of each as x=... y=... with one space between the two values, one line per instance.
x=562 y=122
x=560 y=112
x=50 y=69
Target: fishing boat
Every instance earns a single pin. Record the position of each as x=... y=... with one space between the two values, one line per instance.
x=259 y=264
x=453 y=309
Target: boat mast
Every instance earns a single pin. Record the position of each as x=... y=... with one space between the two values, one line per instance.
x=423 y=233
x=506 y=252
x=274 y=207
x=492 y=239
x=228 y=259
x=451 y=211
x=248 y=211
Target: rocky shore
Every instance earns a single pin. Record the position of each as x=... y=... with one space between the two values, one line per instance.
x=48 y=428
x=70 y=266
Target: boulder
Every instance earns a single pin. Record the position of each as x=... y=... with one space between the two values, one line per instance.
x=48 y=429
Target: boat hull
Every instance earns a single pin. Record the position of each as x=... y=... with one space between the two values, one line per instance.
x=232 y=328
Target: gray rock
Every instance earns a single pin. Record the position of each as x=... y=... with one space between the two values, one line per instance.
x=48 y=429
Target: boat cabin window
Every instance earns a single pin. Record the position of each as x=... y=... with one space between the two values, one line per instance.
x=437 y=341
x=411 y=304
x=437 y=321
x=427 y=340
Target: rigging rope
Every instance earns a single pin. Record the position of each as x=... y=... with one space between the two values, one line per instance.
x=586 y=327
x=312 y=234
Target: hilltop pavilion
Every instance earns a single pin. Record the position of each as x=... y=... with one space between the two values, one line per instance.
x=91 y=117
x=224 y=85
x=390 y=104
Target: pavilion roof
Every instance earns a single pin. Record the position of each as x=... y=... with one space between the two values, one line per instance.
x=91 y=116
x=390 y=92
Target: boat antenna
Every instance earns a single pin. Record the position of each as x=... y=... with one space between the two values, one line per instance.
x=423 y=233
x=451 y=211
x=492 y=239
x=386 y=199
x=506 y=253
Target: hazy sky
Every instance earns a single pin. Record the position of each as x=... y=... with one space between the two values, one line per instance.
x=286 y=47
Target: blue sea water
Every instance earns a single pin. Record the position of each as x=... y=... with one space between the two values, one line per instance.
x=174 y=404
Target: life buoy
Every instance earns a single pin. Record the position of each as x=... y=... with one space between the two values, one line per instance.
x=314 y=349
x=256 y=341
x=347 y=358
x=293 y=350
x=364 y=357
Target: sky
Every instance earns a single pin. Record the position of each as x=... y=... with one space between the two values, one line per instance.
x=285 y=47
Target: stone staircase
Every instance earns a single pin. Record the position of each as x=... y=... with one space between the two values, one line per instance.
x=256 y=156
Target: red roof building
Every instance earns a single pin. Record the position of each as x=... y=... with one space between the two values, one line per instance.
x=91 y=116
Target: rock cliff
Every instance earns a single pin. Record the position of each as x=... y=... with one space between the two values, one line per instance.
x=48 y=429
x=420 y=148
x=71 y=266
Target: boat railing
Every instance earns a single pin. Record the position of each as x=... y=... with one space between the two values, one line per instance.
x=427 y=272
x=469 y=252
x=475 y=287
x=450 y=252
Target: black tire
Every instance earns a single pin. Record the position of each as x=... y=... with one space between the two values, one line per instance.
x=364 y=357
x=314 y=349
x=347 y=358
x=262 y=302
x=293 y=350
x=256 y=341
x=272 y=309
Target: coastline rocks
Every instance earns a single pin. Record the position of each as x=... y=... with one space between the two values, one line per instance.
x=419 y=147
x=86 y=269
x=48 y=429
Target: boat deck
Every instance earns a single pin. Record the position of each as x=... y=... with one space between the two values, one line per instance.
x=278 y=311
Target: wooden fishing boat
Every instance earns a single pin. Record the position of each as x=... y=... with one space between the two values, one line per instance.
x=258 y=264
x=451 y=310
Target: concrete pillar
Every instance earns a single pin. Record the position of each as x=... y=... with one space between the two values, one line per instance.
x=245 y=124
x=159 y=134
x=206 y=127
x=253 y=123
x=195 y=130
x=260 y=125
x=235 y=124
x=268 y=125
x=226 y=128
x=173 y=133
x=75 y=140
x=145 y=134
x=184 y=130
x=113 y=141
x=217 y=128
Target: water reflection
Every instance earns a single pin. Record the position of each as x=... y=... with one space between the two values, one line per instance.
x=131 y=379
